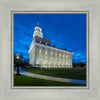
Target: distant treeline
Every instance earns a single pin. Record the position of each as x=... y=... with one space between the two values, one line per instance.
x=78 y=65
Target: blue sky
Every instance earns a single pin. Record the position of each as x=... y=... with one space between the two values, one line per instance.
x=64 y=30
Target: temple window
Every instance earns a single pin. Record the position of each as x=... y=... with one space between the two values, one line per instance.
x=55 y=54
x=45 y=62
x=59 y=55
x=63 y=56
x=46 y=43
x=51 y=54
x=46 y=57
x=39 y=51
x=45 y=52
x=40 y=41
x=51 y=58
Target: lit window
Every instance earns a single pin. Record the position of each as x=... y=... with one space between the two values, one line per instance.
x=40 y=62
x=67 y=56
x=46 y=57
x=60 y=63
x=40 y=41
x=59 y=55
x=51 y=57
x=39 y=51
x=46 y=43
x=63 y=56
x=51 y=63
x=55 y=54
x=51 y=53
x=45 y=62
x=45 y=52
x=56 y=63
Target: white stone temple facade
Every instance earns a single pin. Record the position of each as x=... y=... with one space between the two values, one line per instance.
x=42 y=54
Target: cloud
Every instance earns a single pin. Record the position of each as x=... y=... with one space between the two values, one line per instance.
x=64 y=30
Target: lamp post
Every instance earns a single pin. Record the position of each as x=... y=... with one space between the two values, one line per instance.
x=18 y=57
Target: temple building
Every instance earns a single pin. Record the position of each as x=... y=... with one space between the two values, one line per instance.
x=42 y=54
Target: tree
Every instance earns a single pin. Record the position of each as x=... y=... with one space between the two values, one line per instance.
x=23 y=63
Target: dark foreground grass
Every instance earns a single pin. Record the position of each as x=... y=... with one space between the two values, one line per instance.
x=71 y=73
x=22 y=80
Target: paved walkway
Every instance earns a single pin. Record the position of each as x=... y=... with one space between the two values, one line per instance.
x=52 y=78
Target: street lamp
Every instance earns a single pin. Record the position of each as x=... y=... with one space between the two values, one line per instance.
x=18 y=57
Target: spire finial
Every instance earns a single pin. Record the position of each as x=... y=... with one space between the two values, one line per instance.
x=38 y=24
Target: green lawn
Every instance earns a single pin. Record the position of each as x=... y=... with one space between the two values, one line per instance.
x=22 y=80
x=71 y=73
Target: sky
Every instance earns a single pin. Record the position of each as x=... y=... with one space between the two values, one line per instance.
x=63 y=30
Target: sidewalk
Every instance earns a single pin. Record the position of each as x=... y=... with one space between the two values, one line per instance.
x=52 y=78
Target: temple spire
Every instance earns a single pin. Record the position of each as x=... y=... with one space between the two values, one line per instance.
x=38 y=24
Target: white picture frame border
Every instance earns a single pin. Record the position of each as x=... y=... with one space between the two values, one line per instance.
x=6 y=93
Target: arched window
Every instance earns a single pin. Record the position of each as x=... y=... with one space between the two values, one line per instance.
x=51 y=53
x=63 y=56
x=55 y=54
x=46 y=62
x=59 y=55
x=46 y=43
x=66 y=56
x=39 y=51
x=40 y=62
x=45 y=52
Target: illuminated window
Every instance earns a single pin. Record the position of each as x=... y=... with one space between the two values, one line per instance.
x=67 y=56
x=56 y=63
x=63 y=56
x=45 y=52
x=51 y=58
x=46 y=43
x=60 y=64
x=55 y=54
x=40 y=62
x=51 y=63
x=59 y=55
x=45 y=62
x=64 y=64
x=46 y=57
x=40 y=41
x=39 y=51
x=51 y=53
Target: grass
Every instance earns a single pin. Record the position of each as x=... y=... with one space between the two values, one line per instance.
x=71 y=73
x=22 y=80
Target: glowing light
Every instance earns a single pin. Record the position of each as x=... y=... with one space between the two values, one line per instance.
x=55 y=54
x=63 y=56
x=40 y=62
x=45 y=52
x=46 y=43
x=39 y=51
x=59 y=55
x=46 y=57
x=51 y=53
x=46 y=62
x=51 y=58
x=40 y=41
